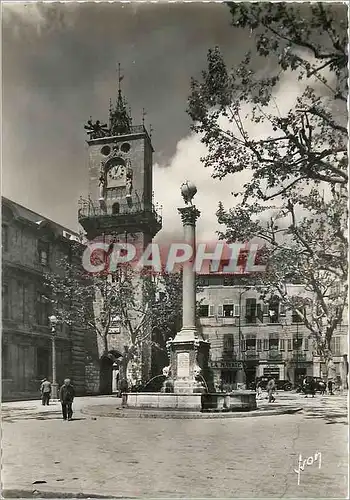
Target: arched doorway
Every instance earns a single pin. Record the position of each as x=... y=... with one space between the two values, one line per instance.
x=107 y=369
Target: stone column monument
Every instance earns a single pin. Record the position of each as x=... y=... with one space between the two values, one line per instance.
x=189 y=351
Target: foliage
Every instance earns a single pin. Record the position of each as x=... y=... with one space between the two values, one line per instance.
x=295 y=199
x=138 y=303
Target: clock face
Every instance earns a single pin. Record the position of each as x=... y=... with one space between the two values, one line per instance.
x=116 y=172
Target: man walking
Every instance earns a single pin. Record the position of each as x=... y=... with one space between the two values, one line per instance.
x=124 y=387
x=67 y=395
x=45 y=390
x=271 y=387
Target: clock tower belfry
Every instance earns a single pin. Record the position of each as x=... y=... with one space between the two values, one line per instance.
x=120 y=178
x=119 y=206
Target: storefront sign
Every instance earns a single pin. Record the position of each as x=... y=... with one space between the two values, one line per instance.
x=227 y=364
x=183 y=364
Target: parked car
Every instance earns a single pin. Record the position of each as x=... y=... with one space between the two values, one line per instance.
x=318 y=382
x=281 y=385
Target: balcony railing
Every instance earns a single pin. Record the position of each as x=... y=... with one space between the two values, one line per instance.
x=90 y=209
x=251 y=355
x=275 y=356
x=300 y=356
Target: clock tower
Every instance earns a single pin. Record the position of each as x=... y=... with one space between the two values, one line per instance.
x=120 y=205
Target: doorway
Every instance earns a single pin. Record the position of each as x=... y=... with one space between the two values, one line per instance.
x=106 y=369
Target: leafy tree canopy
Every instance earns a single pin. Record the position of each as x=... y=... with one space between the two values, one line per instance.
x=290 y=152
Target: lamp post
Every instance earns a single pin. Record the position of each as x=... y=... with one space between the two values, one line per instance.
x=240 y=376
x=53 y=322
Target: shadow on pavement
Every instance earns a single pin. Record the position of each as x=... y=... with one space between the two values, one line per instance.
x=51 y=494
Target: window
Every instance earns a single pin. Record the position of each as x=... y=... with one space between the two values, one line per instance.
x=216 y=280
x=259 y=345
x=297 y=343
x=251 y=344
x=282 y=345
x=265 y=309
x=19 y=298
x=250 y=310
x=203 y=311
x=273 y=344
x=259 y=313
x=43 y=252
x=42 y=309
x=6 y=364
x=228 y=310
x=5 y=238
x=335 y=346
x=306 y=344
x=266 y=344
x=282 y=309
x=290 y=345
x=228 y=342
x=5 y=301
x=115 y=208
x=243 y=345
x=42 y=362
x=296 y=317
x=274 y=309
x=211 y=311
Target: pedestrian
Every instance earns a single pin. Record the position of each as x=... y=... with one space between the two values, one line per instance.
x=312 y=387
x=271 y=387
x=45 y=390
x=258 y=390
x=305 y=386
x=322 y=386
x=67 y=395
x=330 y=387
x=124 y=387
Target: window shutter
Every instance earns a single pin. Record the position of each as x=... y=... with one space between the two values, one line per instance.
x=266 y=309
x=220 y=310
x=282 y=309
x=306 y=344
x=236 y=310
x=211 y=311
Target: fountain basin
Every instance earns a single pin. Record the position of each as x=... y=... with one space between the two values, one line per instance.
x=219 y=401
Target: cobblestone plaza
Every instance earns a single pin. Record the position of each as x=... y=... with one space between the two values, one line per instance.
x=175 y=458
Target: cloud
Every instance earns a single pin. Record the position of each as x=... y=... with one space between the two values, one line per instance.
x=186 y=165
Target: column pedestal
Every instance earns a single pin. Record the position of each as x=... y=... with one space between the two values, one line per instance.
x=189 y=363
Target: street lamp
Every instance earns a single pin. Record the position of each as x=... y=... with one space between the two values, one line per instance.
x=240 y=376
x=53 y=322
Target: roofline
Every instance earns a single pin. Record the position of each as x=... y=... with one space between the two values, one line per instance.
x=40 y=216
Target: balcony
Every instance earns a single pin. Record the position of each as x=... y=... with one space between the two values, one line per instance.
x=274 y=356
x=251 y=355
x=299 y=356
x=131 y=217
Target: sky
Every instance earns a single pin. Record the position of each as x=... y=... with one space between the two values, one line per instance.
x=59 y=67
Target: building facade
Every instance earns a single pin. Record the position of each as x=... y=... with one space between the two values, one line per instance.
x=119 y=209
x=31 y=246
x=264 y=338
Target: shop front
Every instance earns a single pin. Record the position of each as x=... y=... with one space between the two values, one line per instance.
x=225 y=374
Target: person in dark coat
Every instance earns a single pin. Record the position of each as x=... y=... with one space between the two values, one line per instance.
x=124 y=390
x=45 y=390
x=67 y=395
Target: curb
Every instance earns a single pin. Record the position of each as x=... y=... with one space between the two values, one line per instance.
x=188 y=415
